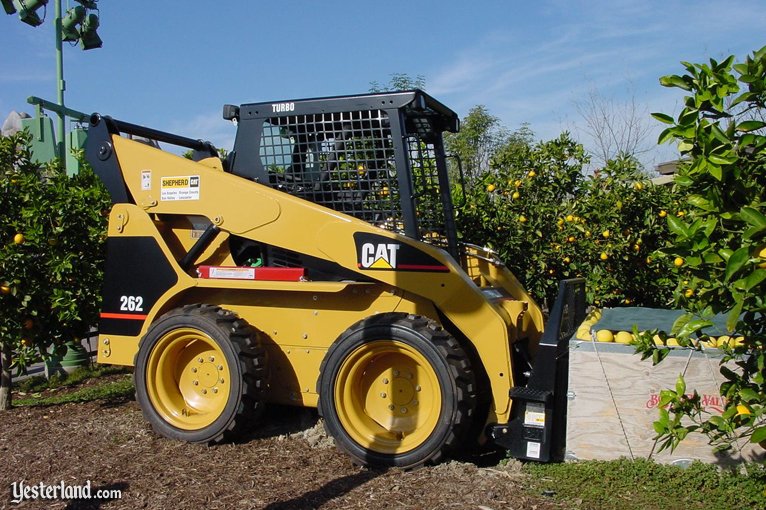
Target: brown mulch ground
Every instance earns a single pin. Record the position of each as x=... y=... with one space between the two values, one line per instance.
x=287 y=462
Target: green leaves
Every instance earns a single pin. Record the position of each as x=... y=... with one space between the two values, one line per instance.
x=678 y=227
x=759 y=434
x=722 y=240
x=674 y=80
x=750 y=125
x=754 y=217
x=54 y=277
x=665 y=119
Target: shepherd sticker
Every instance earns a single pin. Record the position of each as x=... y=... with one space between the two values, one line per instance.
x=179 y=188
x=376 y=252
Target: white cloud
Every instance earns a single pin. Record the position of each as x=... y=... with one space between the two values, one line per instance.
x=208 y=126
x=620 y=49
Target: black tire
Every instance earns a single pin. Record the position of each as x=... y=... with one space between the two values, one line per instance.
x=430 y=393
x=187 y=394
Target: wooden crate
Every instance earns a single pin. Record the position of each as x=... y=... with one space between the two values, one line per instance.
x=613 y=397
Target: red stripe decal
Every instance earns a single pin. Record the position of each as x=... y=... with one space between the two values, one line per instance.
x=408 y=267
x=126 y=316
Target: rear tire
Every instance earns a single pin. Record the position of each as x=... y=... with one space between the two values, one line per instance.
x=197 y=374
x=396 y=390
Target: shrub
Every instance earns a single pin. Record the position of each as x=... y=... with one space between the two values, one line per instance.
x=52 y=230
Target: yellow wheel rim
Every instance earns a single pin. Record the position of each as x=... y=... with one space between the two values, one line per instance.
x=388 y=397
x=187 y=379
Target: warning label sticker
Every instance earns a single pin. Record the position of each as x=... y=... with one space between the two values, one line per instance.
x=534 y=415
x=179 y=188
x=235 y=273
x=146 y=180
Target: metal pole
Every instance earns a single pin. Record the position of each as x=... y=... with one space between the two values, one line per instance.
x=60 y=85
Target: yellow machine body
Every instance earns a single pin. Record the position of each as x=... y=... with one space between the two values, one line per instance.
x=300 y=320
x=319 y=265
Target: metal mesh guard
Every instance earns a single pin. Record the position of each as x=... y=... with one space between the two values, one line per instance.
x=347 y=161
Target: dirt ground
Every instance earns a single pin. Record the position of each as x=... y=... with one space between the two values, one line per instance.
x=286 y=462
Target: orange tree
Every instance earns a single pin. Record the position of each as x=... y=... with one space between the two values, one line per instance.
x=548 y=221
x=52 y=229
x=719 y=247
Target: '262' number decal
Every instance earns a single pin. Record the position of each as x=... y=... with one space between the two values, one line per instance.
x=132 y=303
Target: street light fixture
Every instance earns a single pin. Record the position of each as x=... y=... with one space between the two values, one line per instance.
x=89 y=39
x=74 y=17
x=8 y=6
x=26 y=10
x=66 y=30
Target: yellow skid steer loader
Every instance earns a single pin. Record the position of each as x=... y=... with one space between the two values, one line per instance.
x=318 y=265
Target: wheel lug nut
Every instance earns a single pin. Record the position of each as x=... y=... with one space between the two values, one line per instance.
x=194 y=370
x=220 y=368
x=212 y=359
x=404 y=409
x=200 y=360
x=195 y=383
x=417 y=388
x=396 y=373
x=414 y=402
x=215 y=390
x=204 y=391
x=383 y=395
x=385 y=381
x=221 y=379
x=390 y=407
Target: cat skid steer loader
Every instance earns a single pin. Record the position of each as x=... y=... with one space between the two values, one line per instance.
x=318 y=265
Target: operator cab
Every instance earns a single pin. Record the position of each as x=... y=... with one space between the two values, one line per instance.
x=377 y=157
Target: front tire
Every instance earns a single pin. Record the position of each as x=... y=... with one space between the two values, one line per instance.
x=396 y=390
x=197 y=374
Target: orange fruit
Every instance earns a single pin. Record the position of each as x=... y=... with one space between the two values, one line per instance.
x=491 y=188
x=606 y=234
x=762 y=255
x=515 y=195
x=604 y=335
x=604 y=255
x=742 y=410
x=678 y=262
x=4 y=289
x=522 y=219
x=531 y=173
x=18 y=238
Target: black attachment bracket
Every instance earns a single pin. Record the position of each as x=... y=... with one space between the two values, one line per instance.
x=537 y=430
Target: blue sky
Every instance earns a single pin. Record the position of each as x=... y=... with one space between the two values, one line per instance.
x=172 y=65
